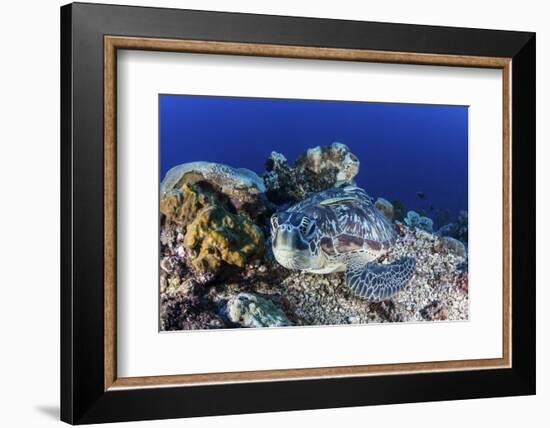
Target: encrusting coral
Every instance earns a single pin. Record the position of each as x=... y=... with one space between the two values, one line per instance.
x=181 y=205
x=213 y=234
x=217 y=236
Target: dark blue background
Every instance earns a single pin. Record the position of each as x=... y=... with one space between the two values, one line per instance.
x=403 y=148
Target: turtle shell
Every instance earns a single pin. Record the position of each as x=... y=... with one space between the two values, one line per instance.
x=348 y=221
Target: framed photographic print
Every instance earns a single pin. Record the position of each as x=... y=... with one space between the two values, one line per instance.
x=288 y=213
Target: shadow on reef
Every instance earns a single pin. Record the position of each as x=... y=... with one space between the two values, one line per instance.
x=217 y=268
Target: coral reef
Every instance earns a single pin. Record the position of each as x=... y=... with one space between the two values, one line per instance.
x=217 y=269
x=318 y=169
x=308 y=299
x=416 y=220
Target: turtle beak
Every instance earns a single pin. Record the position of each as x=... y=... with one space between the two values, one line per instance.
x=290 y=250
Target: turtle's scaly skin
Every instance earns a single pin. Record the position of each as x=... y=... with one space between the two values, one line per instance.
x=340 y=229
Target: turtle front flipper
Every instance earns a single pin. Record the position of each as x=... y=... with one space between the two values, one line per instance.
x=377 y=282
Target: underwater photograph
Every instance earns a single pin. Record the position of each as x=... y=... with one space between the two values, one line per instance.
x=291 y=212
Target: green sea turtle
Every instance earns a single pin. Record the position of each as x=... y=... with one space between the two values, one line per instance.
x=340 y=229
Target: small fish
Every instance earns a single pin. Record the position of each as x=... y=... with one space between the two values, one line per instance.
x=421 y=195
x=431 y=207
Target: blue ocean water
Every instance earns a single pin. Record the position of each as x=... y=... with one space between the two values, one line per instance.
x=417 y=154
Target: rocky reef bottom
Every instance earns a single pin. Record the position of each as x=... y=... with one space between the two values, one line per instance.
x=217 y=269
x=267 y=295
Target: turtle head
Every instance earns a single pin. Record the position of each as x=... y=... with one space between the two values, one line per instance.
x=295 y=240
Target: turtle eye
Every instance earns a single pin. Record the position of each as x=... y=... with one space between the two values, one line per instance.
x=274 y=221
x=306 y=226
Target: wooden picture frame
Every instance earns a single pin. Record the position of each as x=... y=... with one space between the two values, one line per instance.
x=91 y=390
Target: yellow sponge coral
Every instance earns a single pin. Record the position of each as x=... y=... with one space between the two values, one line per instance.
x=213 y=233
